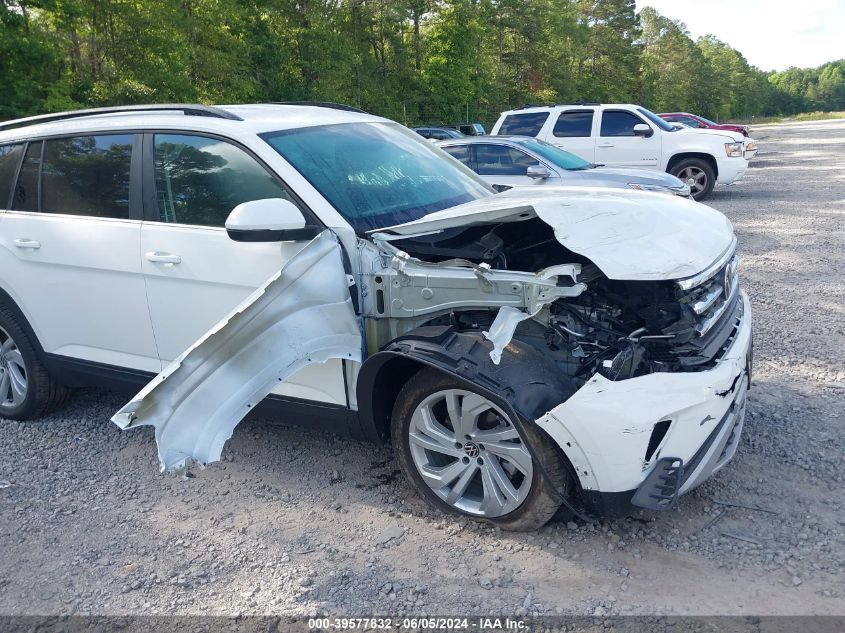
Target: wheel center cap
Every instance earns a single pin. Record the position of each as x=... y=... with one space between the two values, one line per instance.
x=471 y=449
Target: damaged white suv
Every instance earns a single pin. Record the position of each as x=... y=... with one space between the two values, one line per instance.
x=580 y=347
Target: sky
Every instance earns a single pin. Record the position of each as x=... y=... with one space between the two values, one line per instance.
x=771 y=34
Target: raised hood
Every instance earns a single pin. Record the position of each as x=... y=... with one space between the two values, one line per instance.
x=629 y=235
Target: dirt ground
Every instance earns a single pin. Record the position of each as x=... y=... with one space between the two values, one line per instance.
x=299 y=523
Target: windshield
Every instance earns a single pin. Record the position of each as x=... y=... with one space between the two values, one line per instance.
x=708 y=121
x=556 y=155
x=377 y=174
x=651 y=116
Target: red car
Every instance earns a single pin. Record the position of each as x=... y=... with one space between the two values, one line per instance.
x=693 y=120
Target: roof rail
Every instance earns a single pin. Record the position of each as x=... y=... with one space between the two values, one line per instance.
x=187 y=109
x=535 y=105
x=586 y=103
x=322 y=104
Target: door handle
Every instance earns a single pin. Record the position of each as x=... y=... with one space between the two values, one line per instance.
x=605 y=144
x=163 y=258
x=27 y=244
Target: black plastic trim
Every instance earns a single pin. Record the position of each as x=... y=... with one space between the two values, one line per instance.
x=186 y=108
x=321 y=104
x=339 y=419
x=285 y=235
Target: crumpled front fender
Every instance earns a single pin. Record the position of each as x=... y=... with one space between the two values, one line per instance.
x=301 y=315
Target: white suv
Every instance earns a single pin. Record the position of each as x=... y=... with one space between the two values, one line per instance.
x=523 y=350
x=625 y=135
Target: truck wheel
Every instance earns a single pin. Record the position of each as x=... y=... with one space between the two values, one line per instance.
x=461 y=453
x=698 y=174
x=27 y=390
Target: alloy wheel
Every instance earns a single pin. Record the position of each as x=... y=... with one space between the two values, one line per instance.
x=467 y=451
x=13 y=381
x=695 y=177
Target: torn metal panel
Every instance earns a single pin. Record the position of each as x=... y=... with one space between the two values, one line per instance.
x=301 y=315
x=629 y=235
x=408 y=287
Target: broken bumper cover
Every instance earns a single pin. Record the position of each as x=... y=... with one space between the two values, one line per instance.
x=606 y=430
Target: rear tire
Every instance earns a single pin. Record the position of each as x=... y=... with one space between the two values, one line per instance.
x=696 y=173
x=525 y=500
x=27 y=391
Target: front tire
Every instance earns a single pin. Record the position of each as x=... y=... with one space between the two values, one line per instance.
x=27 y=391
x=461 y=453
x=698 y=174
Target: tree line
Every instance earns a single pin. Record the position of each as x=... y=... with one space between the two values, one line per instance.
x=416 y=61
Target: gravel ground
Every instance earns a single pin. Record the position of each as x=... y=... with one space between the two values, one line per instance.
x=299 y=523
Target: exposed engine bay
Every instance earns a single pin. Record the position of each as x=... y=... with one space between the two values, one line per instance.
x=620 y=329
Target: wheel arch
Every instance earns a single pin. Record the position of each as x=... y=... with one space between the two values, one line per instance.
x=525 y=382
x=8 y=301
x=708 y=158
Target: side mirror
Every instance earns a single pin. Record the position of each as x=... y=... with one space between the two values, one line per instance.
x=538 y=172
x=641 y=129
x=269 y=220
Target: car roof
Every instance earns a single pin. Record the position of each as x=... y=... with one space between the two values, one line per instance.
x=679 y=114
x=245 y=119
x=561 y=106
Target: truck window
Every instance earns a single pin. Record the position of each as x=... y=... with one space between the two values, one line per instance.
x=574 y=123
x=524 y=124
x=618 y=123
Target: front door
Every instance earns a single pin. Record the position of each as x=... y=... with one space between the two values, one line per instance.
x=505 y=165
x=195 y=274
x=618 y=146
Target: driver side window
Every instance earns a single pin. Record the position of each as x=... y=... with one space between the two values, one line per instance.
x=501 y=160
x=618 y=123
x=199 y=180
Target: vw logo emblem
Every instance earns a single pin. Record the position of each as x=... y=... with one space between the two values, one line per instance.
x=730 y=277
x=471 y=449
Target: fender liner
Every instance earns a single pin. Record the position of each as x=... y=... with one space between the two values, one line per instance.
x=528 y=381
x=525 y=383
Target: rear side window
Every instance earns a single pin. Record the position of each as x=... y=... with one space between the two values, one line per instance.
x=10 y=157
x=26 y=190
x=525 y=124
x=574 y=123
x=87 y=175
x=461 y=152
x=618 y=123
x=501 y=160
x=199 y=180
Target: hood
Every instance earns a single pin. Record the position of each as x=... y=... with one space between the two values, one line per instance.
x=734 y=136
x=629 y=235
x=626 y=175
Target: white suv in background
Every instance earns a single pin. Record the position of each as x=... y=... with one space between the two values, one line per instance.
x=521 y=350
x=625 y=135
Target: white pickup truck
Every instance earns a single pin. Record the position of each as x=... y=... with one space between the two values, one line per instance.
x=625 y=135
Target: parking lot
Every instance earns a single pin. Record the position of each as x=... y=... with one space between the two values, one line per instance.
x=298 y=523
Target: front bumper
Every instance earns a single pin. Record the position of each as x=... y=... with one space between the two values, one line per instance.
x=607 y=428
x=731 y=170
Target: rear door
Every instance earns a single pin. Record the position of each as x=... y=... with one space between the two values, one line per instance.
x=573 y=131
x=618 y=146
x=69 y=249
x=194 y=273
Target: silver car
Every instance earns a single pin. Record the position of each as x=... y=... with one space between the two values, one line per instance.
x=511 y=161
